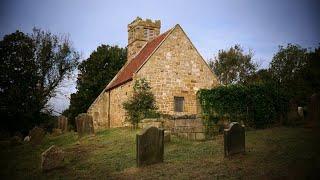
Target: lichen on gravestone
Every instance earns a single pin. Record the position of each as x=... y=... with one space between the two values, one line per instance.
x=52 y=158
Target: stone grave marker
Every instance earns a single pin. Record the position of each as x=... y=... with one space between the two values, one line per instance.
x=150 y=146
x=36 y=136
x=84 y=124
x=234 y=139
x=63 y=123
x=167 y=136
x=52 y=158
x=300 y=112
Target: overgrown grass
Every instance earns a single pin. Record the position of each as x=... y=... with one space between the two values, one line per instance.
x=271 y=153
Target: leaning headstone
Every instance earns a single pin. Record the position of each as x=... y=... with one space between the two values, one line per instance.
x=84 y=124
x=234 y=139
x=150 y=146
x=63 y=123
x=37 y=135
x=52 y=158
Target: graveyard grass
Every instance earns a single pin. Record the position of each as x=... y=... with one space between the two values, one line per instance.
x=275 y=152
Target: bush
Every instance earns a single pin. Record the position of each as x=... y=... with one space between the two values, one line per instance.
x=142 y=104
x=257 y=105
x=211 y=125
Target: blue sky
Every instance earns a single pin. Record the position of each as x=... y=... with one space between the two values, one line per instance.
x=212 y=25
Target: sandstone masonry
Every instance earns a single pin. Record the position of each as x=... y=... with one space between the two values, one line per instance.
x=172 y=66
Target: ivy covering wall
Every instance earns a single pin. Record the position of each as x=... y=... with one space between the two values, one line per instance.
x=257 y=105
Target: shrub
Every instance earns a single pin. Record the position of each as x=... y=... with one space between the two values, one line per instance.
x=142 y=104
x=257 y=105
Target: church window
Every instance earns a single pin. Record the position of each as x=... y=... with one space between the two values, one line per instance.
x=145 y=33
x=178 y=104
x=151 y=33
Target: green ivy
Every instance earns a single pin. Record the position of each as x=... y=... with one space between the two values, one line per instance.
x=257 y=105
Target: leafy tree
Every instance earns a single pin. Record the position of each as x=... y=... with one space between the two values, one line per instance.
x=94 y=74
x=260 y=76
x=141 y=104
x=233 y=66
x=288 y=62
x=296 y=70
x=32 y=66
x=312 y=73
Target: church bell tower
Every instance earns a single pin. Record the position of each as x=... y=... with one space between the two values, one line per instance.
x=139 y=33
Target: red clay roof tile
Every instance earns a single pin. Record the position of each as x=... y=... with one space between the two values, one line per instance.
x=126 y=73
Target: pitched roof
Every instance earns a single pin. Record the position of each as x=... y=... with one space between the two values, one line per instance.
x=126 y=73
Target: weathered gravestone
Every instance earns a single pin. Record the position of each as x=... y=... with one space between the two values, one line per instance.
x=63 y=123
x=52 y=158
x=234 y=139
x=84 y=124
x=313 y=111
x=150 y=146
x=300 y=112
x=36 y=135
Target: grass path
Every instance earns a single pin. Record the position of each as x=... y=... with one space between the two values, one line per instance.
x=271 y=153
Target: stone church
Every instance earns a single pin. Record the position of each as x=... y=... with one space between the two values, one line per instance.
x=169 y=62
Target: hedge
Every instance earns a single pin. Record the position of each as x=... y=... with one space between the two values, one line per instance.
x=257 y=105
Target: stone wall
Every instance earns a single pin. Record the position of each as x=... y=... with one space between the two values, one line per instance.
x=100 y=108
x=177 y=69
x=99 y=111
x=191 y=129
x=118 y=96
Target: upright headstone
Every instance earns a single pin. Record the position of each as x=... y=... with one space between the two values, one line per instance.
x=234 y=139
x=300 y=112
x=36 y=135
x=52 y=158
x=84 y=124
x=313 y=111
x=150 y=146
x=63 y=123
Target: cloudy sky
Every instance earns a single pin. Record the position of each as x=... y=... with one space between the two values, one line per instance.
x=212 y=25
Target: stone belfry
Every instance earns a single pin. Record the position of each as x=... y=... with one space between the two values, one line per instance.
x=139 y=33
